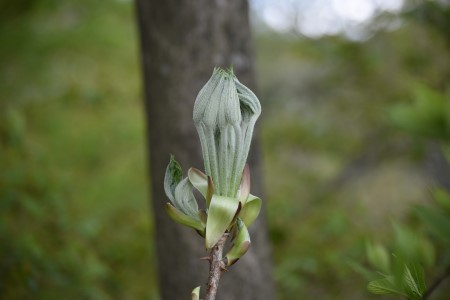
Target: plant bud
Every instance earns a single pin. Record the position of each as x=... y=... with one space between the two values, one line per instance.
x=225 y=113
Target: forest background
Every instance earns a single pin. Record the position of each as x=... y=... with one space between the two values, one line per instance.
x=338 y=168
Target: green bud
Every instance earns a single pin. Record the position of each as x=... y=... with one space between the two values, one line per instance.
x=225 y=113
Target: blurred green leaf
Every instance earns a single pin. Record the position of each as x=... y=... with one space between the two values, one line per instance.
x=378 y=256
x=384 y=286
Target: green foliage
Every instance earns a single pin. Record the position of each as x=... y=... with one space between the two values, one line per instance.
x=74 y=221
x=405 y=276
x=412 y=251
x=429 y=116
x=411 y=284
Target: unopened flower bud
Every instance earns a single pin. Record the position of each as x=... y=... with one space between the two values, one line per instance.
x=225 y=113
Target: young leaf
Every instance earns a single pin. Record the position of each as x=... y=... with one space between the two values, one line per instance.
x=221 y=212
x=240 y=245
x=185 y=200
x=173 y=176
x=183 y=219
x=196 y=293
x=251 y=210
x=199 y=180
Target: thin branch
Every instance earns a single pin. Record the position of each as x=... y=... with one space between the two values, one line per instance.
x=436 y=283
x=216 y=267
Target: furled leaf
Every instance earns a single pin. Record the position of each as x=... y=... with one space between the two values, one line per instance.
x=185 y=200
x=240 y=245
x=173 y=176
x=199 y=180
x=244 y=189
x=384 y=286
x=251 y=210
x=183 y=219
x=196 y=293
x=221 y=212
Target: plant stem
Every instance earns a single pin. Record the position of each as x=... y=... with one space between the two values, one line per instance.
x=216 y=267
x=436 y=283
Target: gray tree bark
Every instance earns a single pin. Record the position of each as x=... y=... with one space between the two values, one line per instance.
x=181 y=42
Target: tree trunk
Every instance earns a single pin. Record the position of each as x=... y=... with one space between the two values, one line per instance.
x=181 y=43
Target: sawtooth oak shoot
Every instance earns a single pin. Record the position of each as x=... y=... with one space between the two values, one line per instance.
x=225 y=113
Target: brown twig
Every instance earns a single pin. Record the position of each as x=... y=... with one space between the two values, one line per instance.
x=216 y=267
x=436 y=283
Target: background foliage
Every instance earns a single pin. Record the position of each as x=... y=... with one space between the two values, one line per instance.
x=339 y=168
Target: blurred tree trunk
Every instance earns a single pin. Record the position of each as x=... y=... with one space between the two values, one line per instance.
x=181 y=43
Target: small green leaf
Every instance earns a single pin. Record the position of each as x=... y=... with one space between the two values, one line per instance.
x=199 y=180
x=173 y=176
x=244 y=189
x=183 y=219
x=251 y=210
x=240 y=245
x=196 y=293
x=220 y=215
x=384 y=286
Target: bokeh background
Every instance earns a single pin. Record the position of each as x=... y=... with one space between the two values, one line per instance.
x=75 y=218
